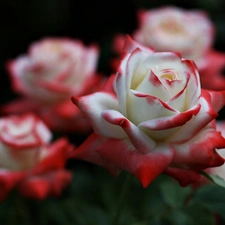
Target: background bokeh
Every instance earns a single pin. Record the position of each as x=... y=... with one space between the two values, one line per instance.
x=25 y=21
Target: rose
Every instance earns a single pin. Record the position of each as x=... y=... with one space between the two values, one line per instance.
x=53 y=71
x=189 y=32
x=28 y=161
x=157 y=120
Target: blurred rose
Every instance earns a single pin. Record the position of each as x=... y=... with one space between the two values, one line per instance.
x=157 y=120
x=53 y=71
x=28 y=161
x=189 y=32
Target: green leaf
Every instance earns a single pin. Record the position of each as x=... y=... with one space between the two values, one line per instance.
x=173 y=194
x=178 y=217
x=212 y=196
x=214 y=178
x=192 y=215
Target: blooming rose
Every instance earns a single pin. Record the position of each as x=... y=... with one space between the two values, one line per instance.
x=28 y=161
x=189 y=32
x=53 y=71
x=157 y=119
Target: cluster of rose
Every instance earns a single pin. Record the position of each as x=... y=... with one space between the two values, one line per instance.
x=155 y=114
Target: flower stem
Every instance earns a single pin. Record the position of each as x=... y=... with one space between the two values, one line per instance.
x=122 y=198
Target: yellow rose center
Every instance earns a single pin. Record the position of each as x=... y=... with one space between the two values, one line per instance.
x=172 y=27
x=169 y=76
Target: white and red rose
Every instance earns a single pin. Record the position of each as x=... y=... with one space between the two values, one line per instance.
x=28 y=161
x=157 y=119
x=53 y=70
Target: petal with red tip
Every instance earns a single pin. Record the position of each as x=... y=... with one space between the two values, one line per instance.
x=146 y=167
x=139 y=139
x=8 y=180
x=130 y=45
x=87 y=151
x=126 y=78
x=200 y=149
x=217 y=99
x=168 y=122
x=35 y=187
x=198 y=122
x=184 y=176
x=93 y=106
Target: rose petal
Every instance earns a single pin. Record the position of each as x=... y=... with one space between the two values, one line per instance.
x=35 y=187
x=217 y=99
x=193 y=86
x=124 y=78
x=200 y=149
x=139 y=139
x=87 y=151
x=130 y=45
x=168 y=122
x=198 y=122
x=143 y=107
x=185 y=177
x=146 y=167
x=93 y=106
x=8 y=180
x=56 y=156
x=152 y=85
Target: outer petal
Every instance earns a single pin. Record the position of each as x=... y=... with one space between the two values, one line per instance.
x=211 y=76
x=56 y=158
x=35 y=187
x=19 y=106
x=146 y=167
x=93 y=106
x=8 y=180
x=130 y=45
x=87 y=151
x=217 y=99
x=39 y=187
x=200 y=150
x=185 y=177
x=16 y=68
